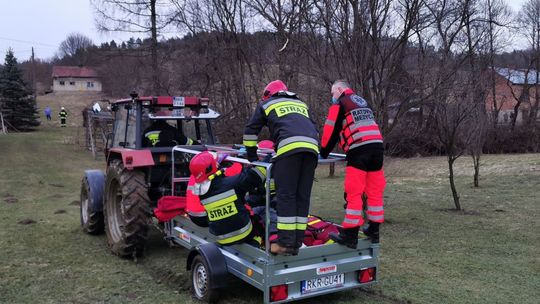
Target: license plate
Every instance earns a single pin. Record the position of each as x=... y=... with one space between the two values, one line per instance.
x=179 y=101
x=331 y=281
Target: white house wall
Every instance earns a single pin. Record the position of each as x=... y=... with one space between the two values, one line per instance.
x=76 y=84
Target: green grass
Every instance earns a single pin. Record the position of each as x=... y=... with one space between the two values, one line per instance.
x=489 y=253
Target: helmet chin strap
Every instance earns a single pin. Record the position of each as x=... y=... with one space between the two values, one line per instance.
x=201 y=188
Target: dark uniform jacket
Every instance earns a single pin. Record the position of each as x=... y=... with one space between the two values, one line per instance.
x=162 y=134
x=228 y=218
x=291 y=126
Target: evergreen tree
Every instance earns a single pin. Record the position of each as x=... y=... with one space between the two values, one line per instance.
x=16 y=101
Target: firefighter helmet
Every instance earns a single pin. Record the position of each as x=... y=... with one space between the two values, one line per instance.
x=203 y=165
x=266 y=144
x=273 y=88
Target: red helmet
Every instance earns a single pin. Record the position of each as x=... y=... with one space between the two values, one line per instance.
x=203 y=165
x=266 y=144
x=272 y=88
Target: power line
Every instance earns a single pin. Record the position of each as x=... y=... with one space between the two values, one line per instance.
x=29 y=42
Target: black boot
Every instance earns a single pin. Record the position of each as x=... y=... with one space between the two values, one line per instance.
x=372 y=232
x=347 y=237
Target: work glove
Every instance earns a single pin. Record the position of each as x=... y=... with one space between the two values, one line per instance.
x=252 y=154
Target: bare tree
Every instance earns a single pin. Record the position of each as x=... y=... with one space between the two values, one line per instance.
x=148 y=17
x=76 y=46
x=478 y=126
x=529 y=20
x=497 y=16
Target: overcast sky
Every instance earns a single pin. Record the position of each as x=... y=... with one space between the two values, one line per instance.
x=43 y=24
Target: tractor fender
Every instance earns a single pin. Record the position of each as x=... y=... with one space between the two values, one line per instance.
x=132 y=158
x=215 y=260
x=96 y=182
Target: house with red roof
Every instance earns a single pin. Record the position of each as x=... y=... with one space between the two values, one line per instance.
x=75 y=79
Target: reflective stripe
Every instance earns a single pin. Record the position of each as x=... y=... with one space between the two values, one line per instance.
x=314 y=222
x=365 y=143
x=218 y=197
x=286 y=219
x=268 y=104
x=353 y=212
x=220 y=203
x=375 y=209
x=153 y=137
x=249 y=143
x=292 y=139
x=197 y=214
x=285 y=103
x=301 y=226
x=351 y=221
x=218 y=173
x=297 y=145
x=329 y=122
x=250 y=137
x=190 y=188
x=261 y=172
x=361 y=134
x=235 y=235
x=301 y=220
x=375 y=217
x=281 y=226
x=189 y=141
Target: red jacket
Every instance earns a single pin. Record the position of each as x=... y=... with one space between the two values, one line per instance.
x=350 y=121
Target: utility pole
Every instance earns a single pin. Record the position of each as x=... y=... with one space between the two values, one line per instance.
x=33 y=72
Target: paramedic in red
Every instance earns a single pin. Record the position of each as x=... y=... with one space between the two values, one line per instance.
x=351 y=122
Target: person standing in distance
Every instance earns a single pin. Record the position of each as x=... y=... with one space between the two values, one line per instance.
x=63 y=116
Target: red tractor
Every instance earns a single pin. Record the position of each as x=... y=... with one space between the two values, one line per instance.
x=120 y=201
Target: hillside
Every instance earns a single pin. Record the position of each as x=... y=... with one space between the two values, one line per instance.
x=73 y=102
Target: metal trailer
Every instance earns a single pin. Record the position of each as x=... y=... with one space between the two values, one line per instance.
x=315 y=271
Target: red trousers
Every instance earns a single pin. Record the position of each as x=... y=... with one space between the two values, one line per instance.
x=358 y=182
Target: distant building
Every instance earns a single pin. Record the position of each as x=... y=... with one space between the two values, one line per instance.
x=513 y=86
x=75 y=79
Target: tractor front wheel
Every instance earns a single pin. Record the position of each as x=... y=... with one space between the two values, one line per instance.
x=126 y=209
x=92 y=202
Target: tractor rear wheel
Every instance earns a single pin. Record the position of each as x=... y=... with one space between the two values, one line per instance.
x=126 y=209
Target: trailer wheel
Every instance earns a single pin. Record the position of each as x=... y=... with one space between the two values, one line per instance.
x=201 y=281
x=91 y=209
x=126 y=209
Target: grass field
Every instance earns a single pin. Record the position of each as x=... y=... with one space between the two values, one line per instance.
x=489 y=253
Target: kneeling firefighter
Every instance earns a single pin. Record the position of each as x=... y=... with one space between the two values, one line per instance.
x=194 y=208
x=223 y=197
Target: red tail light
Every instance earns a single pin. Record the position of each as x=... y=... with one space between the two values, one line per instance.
x=129 y=160
x=279 y=293
x=366 y=275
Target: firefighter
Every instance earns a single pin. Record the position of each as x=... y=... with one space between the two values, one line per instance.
x=223 y=197
x=194 y=208
x=297 y=145
x=63 y=115
x=350 y=120
x=162 y=134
